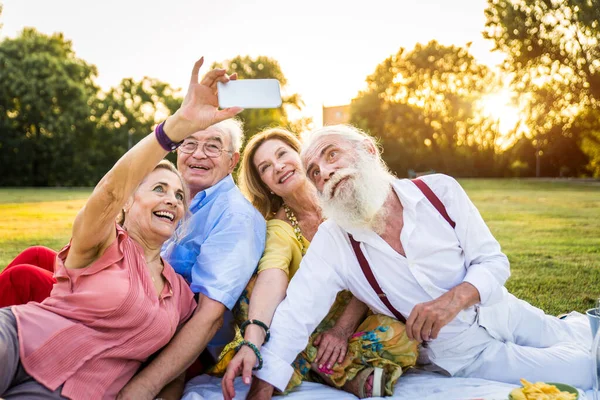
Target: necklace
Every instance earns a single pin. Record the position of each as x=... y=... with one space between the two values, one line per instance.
x=296 y=226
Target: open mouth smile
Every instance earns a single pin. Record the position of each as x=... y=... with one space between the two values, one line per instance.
x=199 y=167
x=165 y=215
x=286 y=176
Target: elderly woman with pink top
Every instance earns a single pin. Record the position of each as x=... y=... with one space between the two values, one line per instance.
x=116 y=301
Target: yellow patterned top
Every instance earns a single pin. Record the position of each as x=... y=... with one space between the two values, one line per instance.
x=282 y=249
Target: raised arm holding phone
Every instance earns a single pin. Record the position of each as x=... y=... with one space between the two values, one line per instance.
x=116 y=301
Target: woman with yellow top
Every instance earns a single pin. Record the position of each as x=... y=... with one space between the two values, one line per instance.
x=351 y=349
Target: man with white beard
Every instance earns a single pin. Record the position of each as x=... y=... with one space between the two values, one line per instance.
x=438 y=265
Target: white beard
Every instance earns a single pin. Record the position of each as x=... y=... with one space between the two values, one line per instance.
x=358 y=201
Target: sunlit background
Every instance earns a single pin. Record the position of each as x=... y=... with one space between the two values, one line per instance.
x=523 y=102
x=325 y=48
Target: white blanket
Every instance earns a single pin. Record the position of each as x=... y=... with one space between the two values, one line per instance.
x=419 y=385
x=414 y=385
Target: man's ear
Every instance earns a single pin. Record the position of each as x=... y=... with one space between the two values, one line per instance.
x=235 y=158
x=369 y=146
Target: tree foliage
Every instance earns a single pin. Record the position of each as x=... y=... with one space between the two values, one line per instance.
x=424 y=106
x=549 y=40
x=45 y=103
x=125 y=114
x=57 y=127
x=552 y=51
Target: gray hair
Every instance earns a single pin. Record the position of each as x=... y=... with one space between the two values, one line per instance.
x=348 y=133
x=235 y=129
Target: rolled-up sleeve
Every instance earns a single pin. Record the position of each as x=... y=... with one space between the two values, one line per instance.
x=228 y=257
x=310 y=294
x=487 y=267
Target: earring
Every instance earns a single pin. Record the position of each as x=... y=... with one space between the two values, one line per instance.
x=272 y=192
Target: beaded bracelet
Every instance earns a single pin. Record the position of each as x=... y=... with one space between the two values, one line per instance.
x=256 y=352
x=164 y=141
x=255 y=322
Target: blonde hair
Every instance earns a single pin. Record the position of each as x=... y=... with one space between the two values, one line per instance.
x=249 y=179
x=169 y=166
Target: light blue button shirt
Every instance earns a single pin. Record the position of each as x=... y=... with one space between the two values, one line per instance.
x=222 y=243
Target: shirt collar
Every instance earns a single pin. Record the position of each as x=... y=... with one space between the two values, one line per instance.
x=202 y=197
x=408 y=192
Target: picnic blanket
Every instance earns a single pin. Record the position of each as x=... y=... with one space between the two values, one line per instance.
x=413 y=385
x=417 y=385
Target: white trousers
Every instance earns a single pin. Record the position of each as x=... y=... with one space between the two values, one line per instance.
x=515 y=340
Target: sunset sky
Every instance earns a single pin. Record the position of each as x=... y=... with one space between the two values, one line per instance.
x=325 y=48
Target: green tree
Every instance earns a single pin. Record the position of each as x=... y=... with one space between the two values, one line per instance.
x=262 y=67
x=57 y=128
x=45 y=98
x=424 y=105
x=586 y=126
x=125 y=114
x=552 y=52
x=549 y=39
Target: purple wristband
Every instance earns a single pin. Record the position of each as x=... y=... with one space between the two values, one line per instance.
x=164 y=140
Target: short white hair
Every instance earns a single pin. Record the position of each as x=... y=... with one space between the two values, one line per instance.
x=235 y=129
x=348 y=133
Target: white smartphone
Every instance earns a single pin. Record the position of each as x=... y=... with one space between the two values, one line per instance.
x=249 y=93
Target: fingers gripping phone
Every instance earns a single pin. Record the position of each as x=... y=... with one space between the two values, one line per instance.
x=249 y=93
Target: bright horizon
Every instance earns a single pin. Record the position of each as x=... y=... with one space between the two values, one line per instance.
x=325 y=49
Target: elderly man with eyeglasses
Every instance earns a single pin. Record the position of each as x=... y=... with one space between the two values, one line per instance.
x=216 y=251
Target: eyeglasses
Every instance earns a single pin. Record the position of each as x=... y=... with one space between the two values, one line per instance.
x=211 y=149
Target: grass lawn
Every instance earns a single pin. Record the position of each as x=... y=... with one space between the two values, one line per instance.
x=41 y=216
x=549 y=230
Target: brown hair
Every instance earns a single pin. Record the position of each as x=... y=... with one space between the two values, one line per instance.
x=249 y=179
x=169 y=166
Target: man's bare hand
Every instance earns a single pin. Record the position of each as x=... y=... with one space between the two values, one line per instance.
x=426 y=319
x=332 y=346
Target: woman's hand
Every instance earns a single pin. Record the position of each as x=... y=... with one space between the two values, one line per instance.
x=332 y=346
x=241 y=364
x=199 y=109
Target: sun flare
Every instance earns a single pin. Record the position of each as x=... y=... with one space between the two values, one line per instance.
x=499 y=107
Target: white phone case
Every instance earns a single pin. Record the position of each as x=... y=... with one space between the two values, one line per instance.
x=249 y=93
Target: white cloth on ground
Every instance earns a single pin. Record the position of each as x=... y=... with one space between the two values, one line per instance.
x=411 y=386
x=417 y=385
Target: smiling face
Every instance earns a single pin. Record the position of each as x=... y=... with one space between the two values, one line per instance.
x=201 y=171
x=156 y=206
x=279 y=167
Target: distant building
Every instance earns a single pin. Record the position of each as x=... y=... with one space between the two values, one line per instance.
x=336 y=115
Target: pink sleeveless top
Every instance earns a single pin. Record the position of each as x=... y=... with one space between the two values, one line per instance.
x=100 y=322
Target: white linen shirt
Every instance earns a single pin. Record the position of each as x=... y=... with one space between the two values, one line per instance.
x=438 y=258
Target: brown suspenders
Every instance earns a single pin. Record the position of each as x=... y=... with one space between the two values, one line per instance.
x=364 y=264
